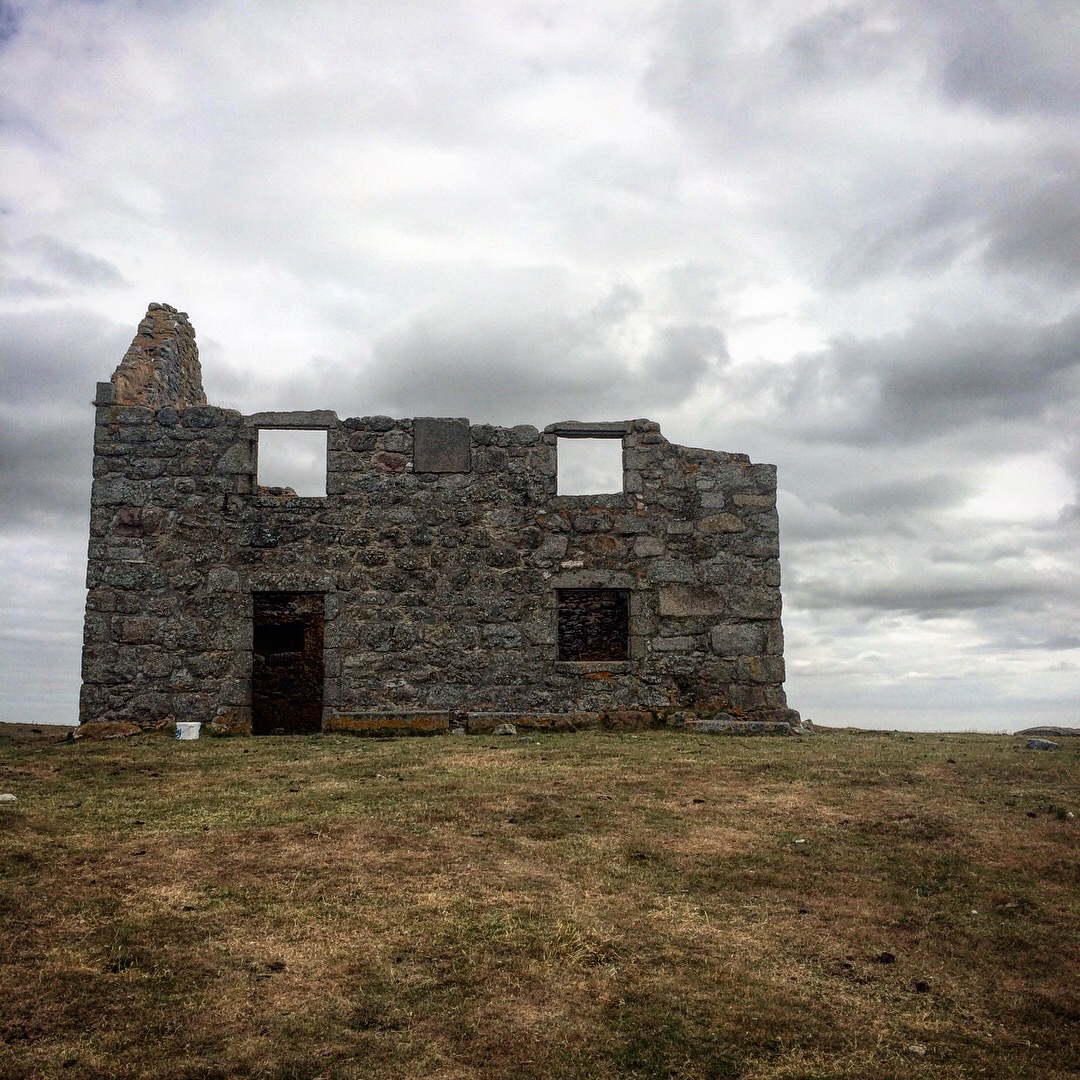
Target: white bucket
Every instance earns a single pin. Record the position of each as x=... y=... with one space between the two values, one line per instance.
x=187 y=730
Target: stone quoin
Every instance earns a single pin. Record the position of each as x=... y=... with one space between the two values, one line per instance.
x=441 y=582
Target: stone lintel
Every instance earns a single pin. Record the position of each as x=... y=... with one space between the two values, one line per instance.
x=312 y=419
x=592 y=579
x=580 y=429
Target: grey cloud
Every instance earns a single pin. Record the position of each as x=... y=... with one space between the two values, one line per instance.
x=510 y=346
x=42 y=577
x=761 y=100
x=1009 y=57
x=539 y=366
x=487 y=371
x=57 y=356
x=981 y=549
x=926 y=597
x=1003 y=56
x=681 y=359
x=1035 y=225
x=921 y=237
x=52 y=362
x=9 y=22
x=28 y=288
x=1041 y=617
x=70 y=264
x=1054 y=643
x=685 y=71
x=843 y=42
x=707 y=69
x=45 y=474
x=1019 y=217
x=907 y=496
x=931 y=381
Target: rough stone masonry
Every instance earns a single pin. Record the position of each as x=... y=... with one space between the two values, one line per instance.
x=441 y=583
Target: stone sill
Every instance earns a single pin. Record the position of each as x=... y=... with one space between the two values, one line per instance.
x=606 y=500
x=288 y=502
x=594 y=667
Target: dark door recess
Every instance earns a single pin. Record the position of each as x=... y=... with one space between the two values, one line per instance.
x=287 y=663
x=593 y=624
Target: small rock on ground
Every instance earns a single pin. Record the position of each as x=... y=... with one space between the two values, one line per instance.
x=1041 y=744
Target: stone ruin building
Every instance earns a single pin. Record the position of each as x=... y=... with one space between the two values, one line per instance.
x=440 y=583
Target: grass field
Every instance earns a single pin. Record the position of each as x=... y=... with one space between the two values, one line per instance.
x=601 y=905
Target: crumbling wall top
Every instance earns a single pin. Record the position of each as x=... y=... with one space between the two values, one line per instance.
x=161 y=367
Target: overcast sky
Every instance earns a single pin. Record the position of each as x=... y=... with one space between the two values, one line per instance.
x=843 y=237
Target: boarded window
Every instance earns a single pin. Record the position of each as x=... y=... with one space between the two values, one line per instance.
x=593 y=624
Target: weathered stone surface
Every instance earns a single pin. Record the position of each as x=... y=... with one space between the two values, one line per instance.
x=761 y=669
x=663 y=571
x=684 y=601
x=440 y=445
x=628 y=720
x=390 y=723
x=721 y=523
x=739 y=639
x=230 y=721
x=646 y=547
x=723 y=724
x=436 y=559
x=161 y=367
x=489 y=723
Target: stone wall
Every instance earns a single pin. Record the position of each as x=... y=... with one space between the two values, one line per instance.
x=434 y=565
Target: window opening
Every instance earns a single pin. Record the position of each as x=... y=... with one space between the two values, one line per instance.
x=593 y=624
x=589 y=466
x=293 y=459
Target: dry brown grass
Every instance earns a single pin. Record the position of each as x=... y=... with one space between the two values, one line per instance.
x=591 y=905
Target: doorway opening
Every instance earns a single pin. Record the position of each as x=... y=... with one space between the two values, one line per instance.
x=287 y=663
